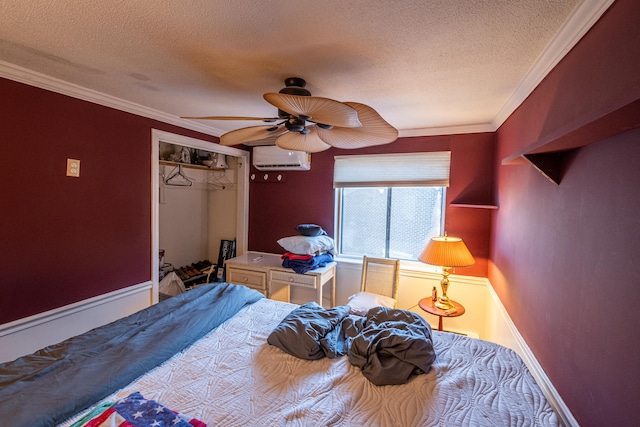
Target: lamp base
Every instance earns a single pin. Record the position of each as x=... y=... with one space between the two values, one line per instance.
x=444 y=304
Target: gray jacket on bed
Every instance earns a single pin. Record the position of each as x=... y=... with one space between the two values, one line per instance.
x=388 y=345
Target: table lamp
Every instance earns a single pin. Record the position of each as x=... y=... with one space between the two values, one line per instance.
x=446 y=252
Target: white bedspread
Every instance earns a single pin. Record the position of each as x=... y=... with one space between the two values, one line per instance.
x=232 y=377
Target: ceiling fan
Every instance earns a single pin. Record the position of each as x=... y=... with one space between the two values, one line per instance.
x=311 y=123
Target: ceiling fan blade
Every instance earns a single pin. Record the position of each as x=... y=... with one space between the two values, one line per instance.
x=253 y=135
x=374 y=131
x=296 y=141
x=264 y=119
x=318 y=109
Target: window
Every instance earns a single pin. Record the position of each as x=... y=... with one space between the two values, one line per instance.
x=389 y=222
x=389 y=206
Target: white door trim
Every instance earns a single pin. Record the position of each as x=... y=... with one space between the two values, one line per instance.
x=242 y=228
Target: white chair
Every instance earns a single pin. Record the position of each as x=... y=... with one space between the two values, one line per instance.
x=380 y=276
x=378 y=287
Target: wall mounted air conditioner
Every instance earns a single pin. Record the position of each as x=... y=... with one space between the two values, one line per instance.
x=274 y=158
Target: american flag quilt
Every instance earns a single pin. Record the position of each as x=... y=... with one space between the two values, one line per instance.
x=136 y=411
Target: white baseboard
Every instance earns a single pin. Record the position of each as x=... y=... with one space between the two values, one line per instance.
x=24 y=336
x=510 y=337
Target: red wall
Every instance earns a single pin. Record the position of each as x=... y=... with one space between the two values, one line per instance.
x=66 y=239
x=563 y=257
x=308 y=196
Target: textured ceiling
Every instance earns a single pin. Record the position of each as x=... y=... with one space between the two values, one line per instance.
x=424 y=65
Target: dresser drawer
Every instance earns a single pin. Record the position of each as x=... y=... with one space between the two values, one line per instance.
x=286 y=278
x=253 y=279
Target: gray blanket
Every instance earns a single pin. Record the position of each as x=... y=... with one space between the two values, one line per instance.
x=53 y=384
x=388 y=345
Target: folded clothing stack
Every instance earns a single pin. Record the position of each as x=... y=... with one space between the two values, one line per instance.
x=310 y=249
x=303 y=263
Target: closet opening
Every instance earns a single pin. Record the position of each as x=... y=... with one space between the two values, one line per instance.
x=200 y=194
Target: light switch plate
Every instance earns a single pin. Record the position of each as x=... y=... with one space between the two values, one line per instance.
x=73 y=167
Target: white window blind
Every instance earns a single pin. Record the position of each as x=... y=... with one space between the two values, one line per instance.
x=393 y=170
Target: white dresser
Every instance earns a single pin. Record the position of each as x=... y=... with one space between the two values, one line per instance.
x=264 y=272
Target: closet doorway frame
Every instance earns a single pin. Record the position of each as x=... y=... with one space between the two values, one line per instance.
x=242 y=227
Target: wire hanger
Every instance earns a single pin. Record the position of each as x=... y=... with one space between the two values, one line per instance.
x=220 y=180
x=178 y=178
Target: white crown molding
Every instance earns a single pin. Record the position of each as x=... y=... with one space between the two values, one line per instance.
x=43 y=81
x=583 y=17
x=447 y=130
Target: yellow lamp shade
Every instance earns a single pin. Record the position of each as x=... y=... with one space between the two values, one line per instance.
x=447 y=251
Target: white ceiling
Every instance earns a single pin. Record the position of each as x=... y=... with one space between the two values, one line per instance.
x=427 y=66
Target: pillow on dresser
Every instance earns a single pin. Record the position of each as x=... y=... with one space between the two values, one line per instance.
x=307 y=245
x=310 y=230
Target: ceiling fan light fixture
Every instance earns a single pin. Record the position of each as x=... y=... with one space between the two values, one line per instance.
x=311 y=123
x=295 y=124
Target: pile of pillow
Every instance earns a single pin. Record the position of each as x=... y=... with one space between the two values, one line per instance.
x=311 y=240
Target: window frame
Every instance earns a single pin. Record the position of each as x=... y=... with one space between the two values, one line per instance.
x=338 y=209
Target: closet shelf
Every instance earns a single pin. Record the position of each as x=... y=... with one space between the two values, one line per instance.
x=189 y=165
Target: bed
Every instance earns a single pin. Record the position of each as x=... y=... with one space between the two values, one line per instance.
x=224 y=373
